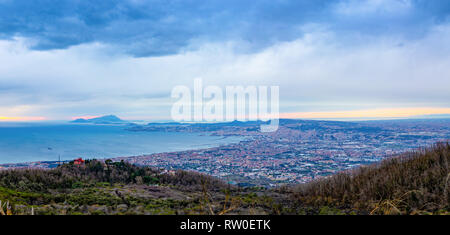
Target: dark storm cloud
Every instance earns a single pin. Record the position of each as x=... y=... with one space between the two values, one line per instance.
x=157 y=27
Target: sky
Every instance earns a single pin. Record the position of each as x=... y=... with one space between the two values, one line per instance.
x=331 y=59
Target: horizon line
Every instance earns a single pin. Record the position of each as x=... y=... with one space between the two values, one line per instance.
x=347 y=115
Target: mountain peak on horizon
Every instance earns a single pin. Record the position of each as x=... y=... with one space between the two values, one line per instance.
x=106 y=119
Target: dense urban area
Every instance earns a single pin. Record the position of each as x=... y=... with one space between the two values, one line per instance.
x=299 y=151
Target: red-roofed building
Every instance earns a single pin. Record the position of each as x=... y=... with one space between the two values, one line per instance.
x=78 y=161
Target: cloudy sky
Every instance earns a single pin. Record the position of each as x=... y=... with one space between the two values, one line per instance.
x=332 y=59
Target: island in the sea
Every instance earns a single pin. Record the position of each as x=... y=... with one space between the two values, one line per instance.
x=107 y=119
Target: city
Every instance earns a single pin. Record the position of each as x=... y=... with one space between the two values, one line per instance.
x=298 y=152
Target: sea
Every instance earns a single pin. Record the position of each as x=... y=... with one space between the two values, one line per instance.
x=30 y=142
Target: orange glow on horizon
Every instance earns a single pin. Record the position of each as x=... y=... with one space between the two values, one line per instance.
x=369 y=113
x=6 y=119
x=347 y=114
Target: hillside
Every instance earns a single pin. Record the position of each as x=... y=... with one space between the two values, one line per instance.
x=412 y=183
x=118 y=188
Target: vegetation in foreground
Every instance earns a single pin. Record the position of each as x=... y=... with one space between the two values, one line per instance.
x=413 y=183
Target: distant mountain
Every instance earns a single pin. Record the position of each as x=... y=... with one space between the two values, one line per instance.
x=108 y=119
x=433 y=116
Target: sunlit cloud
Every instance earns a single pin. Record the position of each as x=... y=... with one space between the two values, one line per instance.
x=369 y=114
x=21 y=119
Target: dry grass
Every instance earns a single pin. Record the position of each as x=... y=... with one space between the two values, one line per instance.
x=411 y=182
x=5 y=208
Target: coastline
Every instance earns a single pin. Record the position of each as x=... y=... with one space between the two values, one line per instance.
x=48 y=164
x=37 y=143
x=299 y=151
